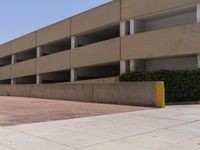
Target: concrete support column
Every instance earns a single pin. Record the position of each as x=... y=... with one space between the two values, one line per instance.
x=73 y=71
x=38 y=79
x=135 y=27
x=198 y=61
x=39 y=76
x=74 y=75
x=13 y=81
x=123 y=28
x=39 y=52
x=132 y=32
x=13 y=59
x=123 y=67
x=74 y=42
x=132 y=65
x=198 y=13
x=123 y=63
x=132 y=27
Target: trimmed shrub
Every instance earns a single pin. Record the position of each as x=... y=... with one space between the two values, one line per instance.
x=180 y=86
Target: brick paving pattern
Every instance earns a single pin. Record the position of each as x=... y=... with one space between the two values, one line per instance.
x=17 y=110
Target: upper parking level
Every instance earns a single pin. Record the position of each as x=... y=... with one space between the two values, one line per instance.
x=107 y=14
x=138 y=8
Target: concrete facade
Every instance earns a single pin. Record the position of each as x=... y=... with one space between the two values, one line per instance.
x=104 y=42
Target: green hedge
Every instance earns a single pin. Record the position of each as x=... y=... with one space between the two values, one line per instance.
x=180 y=86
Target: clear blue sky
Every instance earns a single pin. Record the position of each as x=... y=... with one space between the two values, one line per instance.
x=19 y=17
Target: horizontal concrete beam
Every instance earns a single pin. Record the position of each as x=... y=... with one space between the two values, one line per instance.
x=137 y=8
x=168 y=42
x=97 y=53
x=24 y=43
x=5 y=49
x=95 y=18
x=28 y=68
x=138 y=93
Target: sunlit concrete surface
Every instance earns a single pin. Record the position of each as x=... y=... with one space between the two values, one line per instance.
x=173 y=128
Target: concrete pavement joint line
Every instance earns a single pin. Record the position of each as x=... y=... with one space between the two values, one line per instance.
x=195 y=138
x=62 y=143
x=7 y=146
x=141 y=134
x=181 y=142
x=129 y=136
x=86 y=133
x=109 y=140
x=116 y=138
x=49 y=140
x=112 y=140
x=182 y=124
x=166 y=118
x=172 y=145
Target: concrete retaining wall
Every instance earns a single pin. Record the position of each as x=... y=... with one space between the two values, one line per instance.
x=139 y=93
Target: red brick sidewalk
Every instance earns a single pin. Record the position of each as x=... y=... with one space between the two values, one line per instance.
x=15 y=110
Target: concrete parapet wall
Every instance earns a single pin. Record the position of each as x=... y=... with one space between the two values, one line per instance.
x=74 y=92
x=138 y=93
x=125 y=93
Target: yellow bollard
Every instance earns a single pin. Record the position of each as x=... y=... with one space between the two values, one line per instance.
x=160 y=94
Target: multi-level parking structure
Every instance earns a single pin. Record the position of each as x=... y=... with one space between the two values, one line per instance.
x=109 y=40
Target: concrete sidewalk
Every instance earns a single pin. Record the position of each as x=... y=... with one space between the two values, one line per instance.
x=173 y=128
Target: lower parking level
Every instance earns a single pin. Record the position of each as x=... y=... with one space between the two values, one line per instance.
x=18 y=110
